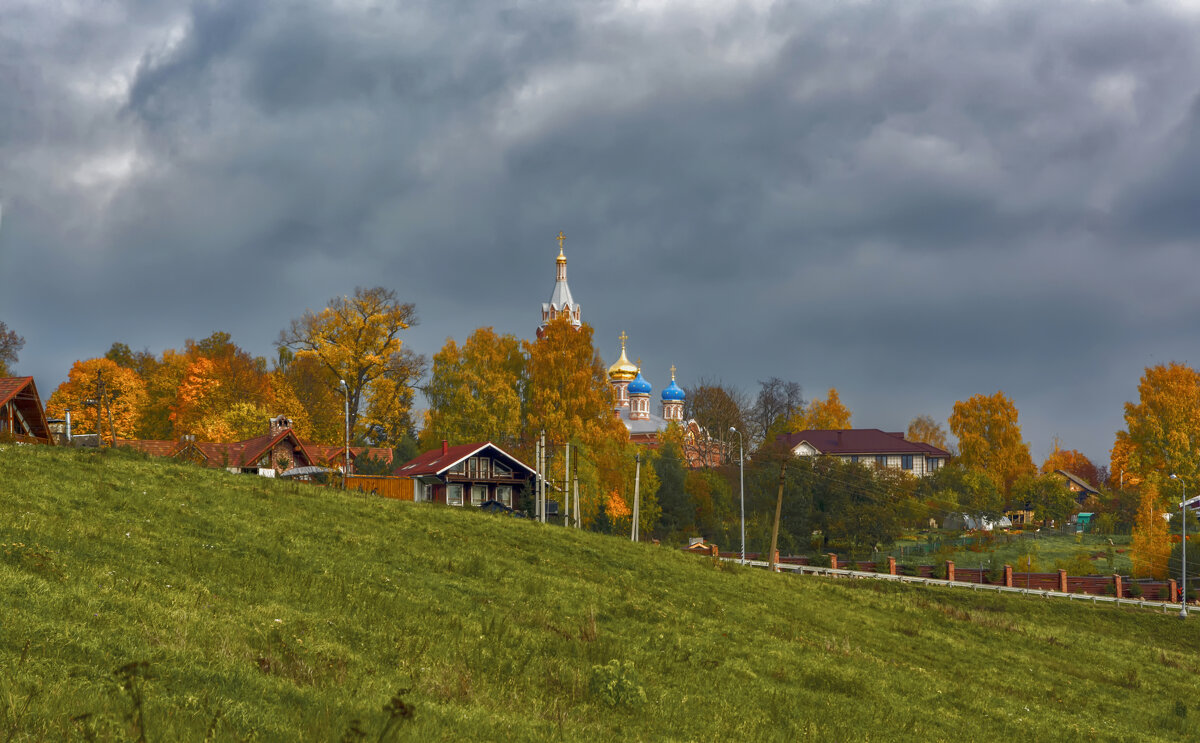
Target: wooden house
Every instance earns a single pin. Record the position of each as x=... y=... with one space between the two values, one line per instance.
x=22 y=416
x=468 y=474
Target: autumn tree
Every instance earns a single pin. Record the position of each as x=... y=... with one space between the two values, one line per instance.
x=124 y=393
x=222 y=388
x=388 y=418
x=716 y=408
x=777 y=401
x=926 y=430
x=989 y=438
x=1073 y=461
x=568 y=396
x=822 y=415
x=475 y=391
x=10 y=345
x=356 y=338
x=1162 y=430
x=316 y=390
x=1150 y=546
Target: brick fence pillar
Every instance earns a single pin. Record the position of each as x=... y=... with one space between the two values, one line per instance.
x=1062 y=581
x=715 y=551
x=891 y=565
x=777 y=568
x=1118 y=592
x=1172 y=591
x=950 y=570
x=1008 y=576
x=833 y=560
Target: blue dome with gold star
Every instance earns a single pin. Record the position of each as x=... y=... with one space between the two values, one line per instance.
x=639 y=386
x=673 y=392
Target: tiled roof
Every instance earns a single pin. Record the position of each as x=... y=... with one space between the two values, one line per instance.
x=860 y=441
x=437 y=461
x=10 y=386
x=1078 y=481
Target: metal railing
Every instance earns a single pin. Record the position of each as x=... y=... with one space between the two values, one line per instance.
x=1081 y=597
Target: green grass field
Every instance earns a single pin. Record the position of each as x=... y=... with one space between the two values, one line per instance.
x=142 y=597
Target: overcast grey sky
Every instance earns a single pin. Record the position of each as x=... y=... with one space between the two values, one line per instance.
x=911 y=201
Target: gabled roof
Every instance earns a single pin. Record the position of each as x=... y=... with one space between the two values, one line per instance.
x=437 y=461
x=859 y=441
x=22 y=392
x=1077 y=480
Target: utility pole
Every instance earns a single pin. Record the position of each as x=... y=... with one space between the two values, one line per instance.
x=567 y=485
x=543 y=509
x=778 y=511
x=578 y=520
x=99 y=409
x=637 y=479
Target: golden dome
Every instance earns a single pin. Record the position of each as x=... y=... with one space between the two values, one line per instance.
x=623 y=370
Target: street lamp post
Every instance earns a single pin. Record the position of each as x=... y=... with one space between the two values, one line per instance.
x=346 y=461
x=741 y=486
x=1183 y=547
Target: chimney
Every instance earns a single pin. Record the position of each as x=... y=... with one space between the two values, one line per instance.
x=445 y=447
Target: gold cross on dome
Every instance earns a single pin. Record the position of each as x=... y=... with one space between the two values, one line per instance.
x=561 y=237
x=639 y=364
x=672 y=372
x=623 y=338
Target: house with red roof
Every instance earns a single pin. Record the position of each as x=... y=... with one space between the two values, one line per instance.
x=869 y=446
x=468 y=474
x=269 y=455
x=21 y=413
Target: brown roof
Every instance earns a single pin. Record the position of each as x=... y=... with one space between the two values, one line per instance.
x=232 y=454
x=22 y=392
x=437 y=461
x=859 y=441
x=327 y=453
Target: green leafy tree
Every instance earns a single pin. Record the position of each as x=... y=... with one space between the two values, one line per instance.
x=1046 y=495
x=678 y=512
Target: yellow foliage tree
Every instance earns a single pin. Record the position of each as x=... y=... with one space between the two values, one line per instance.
x=356 y=338
x=568 y=396
x=1120 y=473
x=925 y=429
x=475 y=390
x=1162 y=430
x=821 y=415
x=1151 y=543
x=989 y=438
x=123 y=388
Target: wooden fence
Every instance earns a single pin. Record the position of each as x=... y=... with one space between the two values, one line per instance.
x=400 y=488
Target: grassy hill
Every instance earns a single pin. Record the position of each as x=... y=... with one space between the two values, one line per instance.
x=140 y=595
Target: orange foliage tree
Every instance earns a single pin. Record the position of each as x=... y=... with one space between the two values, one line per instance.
x=1073 y=461
x=1151 y=543
x=1162 y=430
x=123 y=388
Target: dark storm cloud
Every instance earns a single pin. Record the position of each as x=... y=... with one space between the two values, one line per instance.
x=912 y=202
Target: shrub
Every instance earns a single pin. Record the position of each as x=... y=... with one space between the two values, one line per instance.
x=1135 y=590
x=615 y=684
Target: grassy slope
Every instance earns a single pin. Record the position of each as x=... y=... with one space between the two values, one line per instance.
x=280 y=612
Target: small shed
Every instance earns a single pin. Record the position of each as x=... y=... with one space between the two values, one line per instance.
x=21 y=413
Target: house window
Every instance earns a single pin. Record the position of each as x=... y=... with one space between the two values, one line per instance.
x=854 y=458
x=906 y=461
x=458 y=469
x=427 y=492
x=880 y=460
x=483 y=467
x=454 y=495
x=478 y=494
x=504 y=495
x=500 y=469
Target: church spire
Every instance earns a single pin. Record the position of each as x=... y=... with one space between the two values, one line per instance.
x=561 y=303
